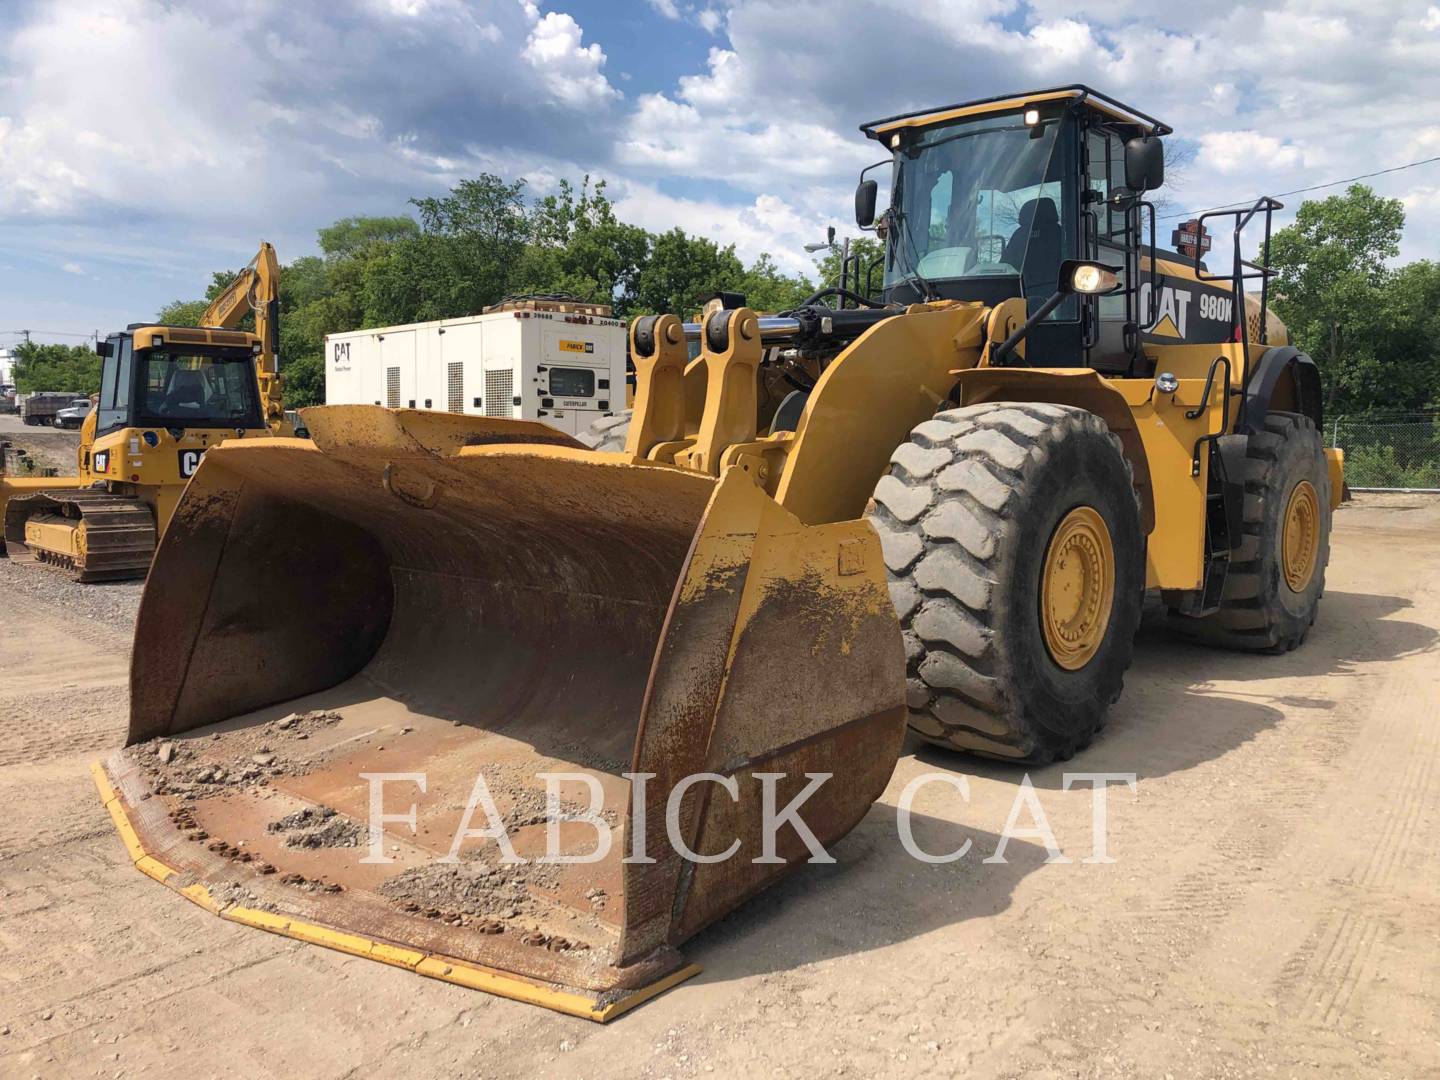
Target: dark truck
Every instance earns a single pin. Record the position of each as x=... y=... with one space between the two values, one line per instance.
x=40 y=407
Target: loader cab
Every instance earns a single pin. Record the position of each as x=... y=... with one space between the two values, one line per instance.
x=178 y=378
x=988 y=199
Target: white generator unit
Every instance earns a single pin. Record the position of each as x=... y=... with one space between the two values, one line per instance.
x=558 y=361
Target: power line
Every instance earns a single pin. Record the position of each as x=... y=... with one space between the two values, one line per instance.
x=48 y=333
x=1313 y=187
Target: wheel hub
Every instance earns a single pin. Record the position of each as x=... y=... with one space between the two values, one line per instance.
x=1300 y=538
x=1077 y=588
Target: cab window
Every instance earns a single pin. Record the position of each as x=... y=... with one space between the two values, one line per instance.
x=986 y=197
x=115 y=384
x=198 y=390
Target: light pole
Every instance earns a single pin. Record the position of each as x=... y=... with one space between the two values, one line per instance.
x=828 y=244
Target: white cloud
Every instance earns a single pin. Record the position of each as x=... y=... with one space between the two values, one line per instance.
x=1422 y=222
x=710 y=20
x=765 y=224
x=1240 y=151
x=73 y=268
x=329 y=113
x=680 y=139
x=570 y=70
x=666 y=8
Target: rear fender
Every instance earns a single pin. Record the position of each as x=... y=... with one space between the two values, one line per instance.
x=1284 y=379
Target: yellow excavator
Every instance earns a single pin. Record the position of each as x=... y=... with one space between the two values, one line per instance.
x=940 y=504
x=167 y=395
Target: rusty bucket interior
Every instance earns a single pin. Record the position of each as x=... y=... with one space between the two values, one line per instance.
x=418 y=594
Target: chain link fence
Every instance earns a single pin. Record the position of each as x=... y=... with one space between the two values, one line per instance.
x=1394 y=453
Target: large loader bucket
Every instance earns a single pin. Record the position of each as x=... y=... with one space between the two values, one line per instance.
x=415 y=594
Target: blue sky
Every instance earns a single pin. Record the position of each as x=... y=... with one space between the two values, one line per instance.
x=144 y=143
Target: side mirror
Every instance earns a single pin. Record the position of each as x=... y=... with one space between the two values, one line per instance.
x=103 y=348
x=1144 y=163
x=865 y=195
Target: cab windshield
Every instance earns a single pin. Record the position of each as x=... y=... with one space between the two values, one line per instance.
x=980 y=198
x=192 y=389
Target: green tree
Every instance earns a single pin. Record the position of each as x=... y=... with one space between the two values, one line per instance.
x=188 y=312
x=182 y=312
x=73 y=369
x=1340 y=300
x=470 y=240
x=767 y=289
x=684 y=271
x=479 y=242
x=578 y=246
x=305 y=381
x=353 y=235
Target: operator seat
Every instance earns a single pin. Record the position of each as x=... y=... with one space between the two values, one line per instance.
x=187 y=391
x=1034 y=247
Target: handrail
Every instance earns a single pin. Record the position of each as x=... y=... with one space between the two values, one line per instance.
x=1238 y=276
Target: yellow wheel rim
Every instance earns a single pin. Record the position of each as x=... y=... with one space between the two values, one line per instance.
x=1077 y=588
x=1300 y=536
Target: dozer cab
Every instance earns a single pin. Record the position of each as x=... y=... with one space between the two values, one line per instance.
x=167 y=395
x=939 y=502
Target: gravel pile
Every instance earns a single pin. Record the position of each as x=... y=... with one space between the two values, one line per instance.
x=486 y=899
x=319 y=827
x=111 y=604
x=198 y=768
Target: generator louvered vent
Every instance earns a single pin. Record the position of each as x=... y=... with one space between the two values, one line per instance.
x=392 y=388
x=499 y=393
x=455 y=385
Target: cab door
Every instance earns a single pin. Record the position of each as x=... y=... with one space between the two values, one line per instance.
x=1111 y=331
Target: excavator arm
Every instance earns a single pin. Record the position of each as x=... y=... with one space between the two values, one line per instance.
x=257 y=288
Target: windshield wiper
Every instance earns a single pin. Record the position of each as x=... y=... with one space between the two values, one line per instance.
x=909 y=249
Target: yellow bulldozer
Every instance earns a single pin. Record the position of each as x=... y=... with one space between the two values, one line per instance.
x=167 y=395
x=941 y=504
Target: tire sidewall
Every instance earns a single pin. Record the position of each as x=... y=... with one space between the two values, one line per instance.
x=1080 y=472
x=1300 y=458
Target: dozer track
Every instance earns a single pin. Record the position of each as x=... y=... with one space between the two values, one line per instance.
x=104 y=536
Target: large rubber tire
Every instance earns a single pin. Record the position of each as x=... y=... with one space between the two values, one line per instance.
x=965 y=515
x=1259 y=612
x=608 y=433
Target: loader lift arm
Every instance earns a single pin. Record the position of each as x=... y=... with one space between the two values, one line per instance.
x=257 y=288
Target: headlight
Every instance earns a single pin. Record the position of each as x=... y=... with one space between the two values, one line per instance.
x=1166 y=382
x=1032 y=117
x=1093 y=279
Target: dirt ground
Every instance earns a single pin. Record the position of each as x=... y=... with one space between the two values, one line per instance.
x=50 y=447
x=1273 y=910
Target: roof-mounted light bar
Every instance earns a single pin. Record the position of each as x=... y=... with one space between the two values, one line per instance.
x=879 y=129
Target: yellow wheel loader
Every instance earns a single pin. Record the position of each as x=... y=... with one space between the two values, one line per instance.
x=167 y=395
x=943 y=503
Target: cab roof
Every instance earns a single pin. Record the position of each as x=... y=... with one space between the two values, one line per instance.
x=878 y=129
x=146 y=333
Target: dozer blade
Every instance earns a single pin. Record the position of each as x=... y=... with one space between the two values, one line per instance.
x=413 y=594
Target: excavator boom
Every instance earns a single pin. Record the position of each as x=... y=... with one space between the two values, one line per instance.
x=257 y=289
